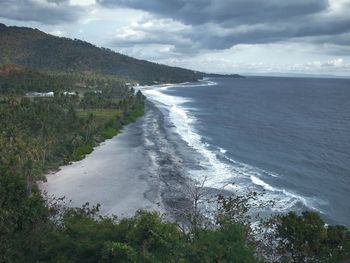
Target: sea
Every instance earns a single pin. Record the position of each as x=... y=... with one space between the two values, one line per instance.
x=288 y=138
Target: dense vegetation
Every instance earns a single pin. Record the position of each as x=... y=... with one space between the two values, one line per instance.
x=20 y=80
x=38 y=50
x=40 y=133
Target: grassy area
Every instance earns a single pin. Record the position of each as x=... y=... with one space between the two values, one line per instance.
x=104 y=114
x=133 y=115
x=81 y=151
x=106 y=118
x=109 y=133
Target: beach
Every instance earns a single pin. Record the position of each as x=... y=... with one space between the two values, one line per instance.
x=191 y=133
x=286 y=138
x=141 y=168
x=114 y=175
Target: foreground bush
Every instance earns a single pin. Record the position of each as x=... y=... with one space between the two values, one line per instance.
x=85 y=237
x=306 y=238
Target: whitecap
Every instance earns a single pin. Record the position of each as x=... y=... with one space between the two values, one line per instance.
x=218 y=174
x=261 y=183
x=223 y=151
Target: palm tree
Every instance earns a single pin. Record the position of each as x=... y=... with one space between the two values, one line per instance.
x=89 y=124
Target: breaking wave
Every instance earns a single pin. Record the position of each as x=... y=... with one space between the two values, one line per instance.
x=218 y=169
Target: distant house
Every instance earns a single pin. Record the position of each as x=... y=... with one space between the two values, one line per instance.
x=67 y=93
x=40 y=94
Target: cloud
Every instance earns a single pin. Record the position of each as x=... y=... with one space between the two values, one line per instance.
x=220 y=35
x=43 y=11
x=155 y=35
x=221 y=24
x=334 y=64
x=224 y=11
x=82 y=2
x=57 y=32
x=272 y=58
x=152 y=31
x=190 y=26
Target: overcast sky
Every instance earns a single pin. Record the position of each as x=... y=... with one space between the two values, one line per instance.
x=224 y=36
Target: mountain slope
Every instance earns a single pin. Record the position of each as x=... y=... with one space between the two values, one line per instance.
x=38 y=50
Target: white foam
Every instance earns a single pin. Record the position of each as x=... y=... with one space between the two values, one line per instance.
x=260 y=182
x=218 y=174
x=183 y=122
x=223 y=151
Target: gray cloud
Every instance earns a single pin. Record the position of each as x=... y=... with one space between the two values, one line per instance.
x=192 y=25
x=326 y=29
x=175 y=28
x=224 y=11
x=220 y=24
x=150 y=31
x=48 y=12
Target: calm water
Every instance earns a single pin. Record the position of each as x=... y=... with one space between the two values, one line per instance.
x=287 y=136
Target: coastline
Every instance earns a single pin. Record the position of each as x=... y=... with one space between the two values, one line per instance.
x=143 y=167
x=113 y=175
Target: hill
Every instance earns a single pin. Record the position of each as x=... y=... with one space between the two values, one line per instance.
x=215 y=75
x=37 y=50
x=19 y=80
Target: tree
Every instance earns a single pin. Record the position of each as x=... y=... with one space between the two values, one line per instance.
x=306 y=238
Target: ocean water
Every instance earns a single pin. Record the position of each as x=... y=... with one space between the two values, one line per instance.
x=288 y=137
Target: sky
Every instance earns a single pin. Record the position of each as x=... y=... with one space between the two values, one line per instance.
x=221 y=36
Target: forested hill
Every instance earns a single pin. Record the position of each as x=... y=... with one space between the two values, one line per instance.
x=35 y=49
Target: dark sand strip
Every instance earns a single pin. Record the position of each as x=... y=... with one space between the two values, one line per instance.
x=142 y=168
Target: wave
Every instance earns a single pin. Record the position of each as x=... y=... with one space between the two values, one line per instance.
x=200 y=83
x=285 y=199
x=260 y=182
x=228 y=175
x=222 y=150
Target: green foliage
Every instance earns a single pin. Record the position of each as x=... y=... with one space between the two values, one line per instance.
x=22 y=218
x=133 y=115
x=19 y=80
x=306 y=238
x=35 y=49
x=100 y=114
x=83 y=236
x=226 y=244
x=81 y=151
x=117 y=252
x=109 y=133
x=39 y=134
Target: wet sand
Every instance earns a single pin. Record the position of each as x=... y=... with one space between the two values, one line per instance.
x=113 y=175
x=144 y=167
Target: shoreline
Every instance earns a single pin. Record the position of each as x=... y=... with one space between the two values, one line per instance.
x=113 y=175
x=152 y=170
x=143 y=167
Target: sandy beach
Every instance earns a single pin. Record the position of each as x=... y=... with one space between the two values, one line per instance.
x=113 y=175
x=141 y=168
